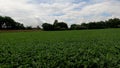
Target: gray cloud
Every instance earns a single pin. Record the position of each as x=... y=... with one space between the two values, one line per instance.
x=30 y=13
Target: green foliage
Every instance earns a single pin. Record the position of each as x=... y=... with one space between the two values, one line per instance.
x=111 y=23
x=55 y=22
x=56 y=26
x=29 y=27
x=8 y=23
x=77 y=27
x=47 y=26
x=60 y=26
x=61 y=49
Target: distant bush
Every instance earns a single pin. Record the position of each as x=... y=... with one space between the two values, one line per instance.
x=29 y=27
x=47 y=27
x=56 y=26
x=60 y=26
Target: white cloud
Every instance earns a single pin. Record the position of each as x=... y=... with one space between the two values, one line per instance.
x=34 y=14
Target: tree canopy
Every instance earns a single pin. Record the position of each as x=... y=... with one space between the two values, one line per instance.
x=8 y=23
x=111 y=23
x=55 y=26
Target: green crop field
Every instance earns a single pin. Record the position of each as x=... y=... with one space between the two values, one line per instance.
x=60 y=49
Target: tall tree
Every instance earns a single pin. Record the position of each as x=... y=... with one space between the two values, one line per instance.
x=55 y=22
x=47 y=27
x=9 y=23
x=1 y=22
x=62 y=26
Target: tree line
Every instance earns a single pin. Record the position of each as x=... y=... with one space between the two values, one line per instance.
x=8 y=23
x=111 y=23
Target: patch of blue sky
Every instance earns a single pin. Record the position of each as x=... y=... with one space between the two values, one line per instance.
x=69 y=20
x=87 y=16
x=54 y=1
x=106 y=14
x=64 y=1
x=78 y=8
x=40 y=1
x=57 y=14
x=87 y=1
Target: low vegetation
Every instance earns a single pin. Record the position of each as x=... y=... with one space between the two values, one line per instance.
x=61 y=49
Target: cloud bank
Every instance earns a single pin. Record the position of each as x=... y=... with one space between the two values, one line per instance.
x=36 y=12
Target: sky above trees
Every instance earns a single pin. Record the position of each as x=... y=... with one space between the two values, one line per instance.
x=36 y=12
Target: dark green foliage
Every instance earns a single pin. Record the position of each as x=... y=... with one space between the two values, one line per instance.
x=92 y=25
x=47 y=27
x=29 y=27
x=38 y=27
x=77 y=27
x=111 y=23
x=56 y=26
x=101 y=25
x=19 y=26
x=8 y=23
x=1 y=21
x=55 y=22
x=60 y=26
x=61 y=49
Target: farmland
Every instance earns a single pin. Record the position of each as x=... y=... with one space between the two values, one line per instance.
x=60 y=49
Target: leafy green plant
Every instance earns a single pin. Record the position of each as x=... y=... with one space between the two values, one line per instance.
x=61 y=49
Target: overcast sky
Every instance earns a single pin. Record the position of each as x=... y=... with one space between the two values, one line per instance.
x=35 y=12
